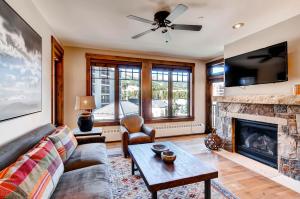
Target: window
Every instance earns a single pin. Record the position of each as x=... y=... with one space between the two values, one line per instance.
x=108 y=79
x=129 y=91
x=214 y=87
x=103 y=78
x=171 y=92
x=216 y=69
x=159 y=91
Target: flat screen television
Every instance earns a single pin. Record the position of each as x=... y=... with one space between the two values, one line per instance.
x=266 y=65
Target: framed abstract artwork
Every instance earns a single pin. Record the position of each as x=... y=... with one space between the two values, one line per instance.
x=20 y=66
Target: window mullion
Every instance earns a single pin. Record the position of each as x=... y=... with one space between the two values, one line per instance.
x=189 y=94
x=117 y=92
x=170 y=95
x=140 y=92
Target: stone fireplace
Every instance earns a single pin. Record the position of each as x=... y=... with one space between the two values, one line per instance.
x=278 y=137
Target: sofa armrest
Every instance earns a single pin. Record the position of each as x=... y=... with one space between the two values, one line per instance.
x=149 y=131
x=124 y=131
x=125 y=140
x=90 y=139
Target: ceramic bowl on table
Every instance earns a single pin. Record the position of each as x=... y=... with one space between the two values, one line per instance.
x=159 y=148
x=168 y=156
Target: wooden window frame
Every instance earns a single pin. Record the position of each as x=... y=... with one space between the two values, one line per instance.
x=170 y=81
x=208 y=102
x=112 y=64
x=145 y=83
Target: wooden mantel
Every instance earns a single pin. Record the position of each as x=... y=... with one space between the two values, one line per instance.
x=260 y=99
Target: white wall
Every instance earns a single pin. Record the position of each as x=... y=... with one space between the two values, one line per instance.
x=285 y=31
x=75 y=85
x=15 y=127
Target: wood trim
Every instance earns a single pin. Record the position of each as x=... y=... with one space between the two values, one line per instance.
x=193 y=92
x=170 y=95
x=208 y=93
x=90 y=56
x=106 y=123
x=57 y=55
x=216 y=78
x=117 y=93
x=146 y=84
x=233 y=125
x=218 y=61
x=146 y=90
x=114 y=62
x=174 y=119
x=88 y=78
x=171 y=64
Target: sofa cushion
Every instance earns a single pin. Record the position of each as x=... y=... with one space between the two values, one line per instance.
x=47 y=157
x=64 y=141
x=137 y=138
x=87 y=155
x=25 y=179
x=88 y=182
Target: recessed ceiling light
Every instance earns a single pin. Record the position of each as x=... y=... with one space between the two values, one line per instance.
x=238 y=25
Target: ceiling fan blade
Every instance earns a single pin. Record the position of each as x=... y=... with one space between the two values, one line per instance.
x=265 y=59
x=141 y=19
x=143 y=33
x=186 y=27
x=180 y=8
x=257 y=56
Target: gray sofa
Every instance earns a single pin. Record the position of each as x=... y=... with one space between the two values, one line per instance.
x=86 y=171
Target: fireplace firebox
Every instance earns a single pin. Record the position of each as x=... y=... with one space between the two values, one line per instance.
x=257 y=140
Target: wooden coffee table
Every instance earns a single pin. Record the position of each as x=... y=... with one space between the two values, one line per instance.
x=158 y=175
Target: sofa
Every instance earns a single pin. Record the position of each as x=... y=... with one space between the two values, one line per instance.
x=86 y=173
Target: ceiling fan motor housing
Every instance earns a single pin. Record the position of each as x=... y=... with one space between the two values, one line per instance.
x=160 y=18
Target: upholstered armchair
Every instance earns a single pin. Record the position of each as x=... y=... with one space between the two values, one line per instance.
x=134 y=131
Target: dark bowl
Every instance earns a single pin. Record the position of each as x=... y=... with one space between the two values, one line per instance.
x=158 y=148
x=168 y=156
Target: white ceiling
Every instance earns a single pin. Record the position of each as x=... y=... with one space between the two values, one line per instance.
x=103 y=23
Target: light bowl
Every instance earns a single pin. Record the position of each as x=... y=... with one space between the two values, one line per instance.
x=168 y=156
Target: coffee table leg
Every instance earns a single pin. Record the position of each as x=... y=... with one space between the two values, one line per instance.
x=132 y=166
x=154 y=195
x=207 y=193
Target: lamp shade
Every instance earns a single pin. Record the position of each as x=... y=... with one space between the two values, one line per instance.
x=85 y=103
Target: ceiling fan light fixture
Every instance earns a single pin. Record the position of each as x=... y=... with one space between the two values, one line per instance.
x=238 y=26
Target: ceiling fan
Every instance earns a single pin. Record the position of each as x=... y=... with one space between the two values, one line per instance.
x=164 y=20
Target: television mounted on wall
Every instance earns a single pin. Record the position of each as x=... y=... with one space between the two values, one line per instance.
x=266 y=65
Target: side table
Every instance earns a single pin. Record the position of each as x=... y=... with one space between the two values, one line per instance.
x=95 y=132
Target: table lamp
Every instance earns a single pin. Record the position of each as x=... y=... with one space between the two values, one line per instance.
x=85 y=104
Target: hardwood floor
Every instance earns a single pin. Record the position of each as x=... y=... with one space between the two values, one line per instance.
x=241 y=181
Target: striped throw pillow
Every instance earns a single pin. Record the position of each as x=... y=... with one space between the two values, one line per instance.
x=64 y=141
x=25 y=179
x=47 y=157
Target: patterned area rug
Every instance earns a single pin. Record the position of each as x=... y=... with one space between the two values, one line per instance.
x=127 y=186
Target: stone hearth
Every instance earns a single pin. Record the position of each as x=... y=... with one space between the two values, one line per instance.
x=282 y=110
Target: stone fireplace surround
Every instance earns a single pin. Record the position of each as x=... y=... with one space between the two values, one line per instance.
x=281 y=110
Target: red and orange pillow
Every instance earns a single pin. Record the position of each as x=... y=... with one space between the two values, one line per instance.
x=64 y=141
x=34 y=175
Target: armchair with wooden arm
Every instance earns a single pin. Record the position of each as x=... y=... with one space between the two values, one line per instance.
x=134 y=131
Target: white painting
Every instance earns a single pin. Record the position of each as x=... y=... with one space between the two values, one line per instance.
x=20 y=66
